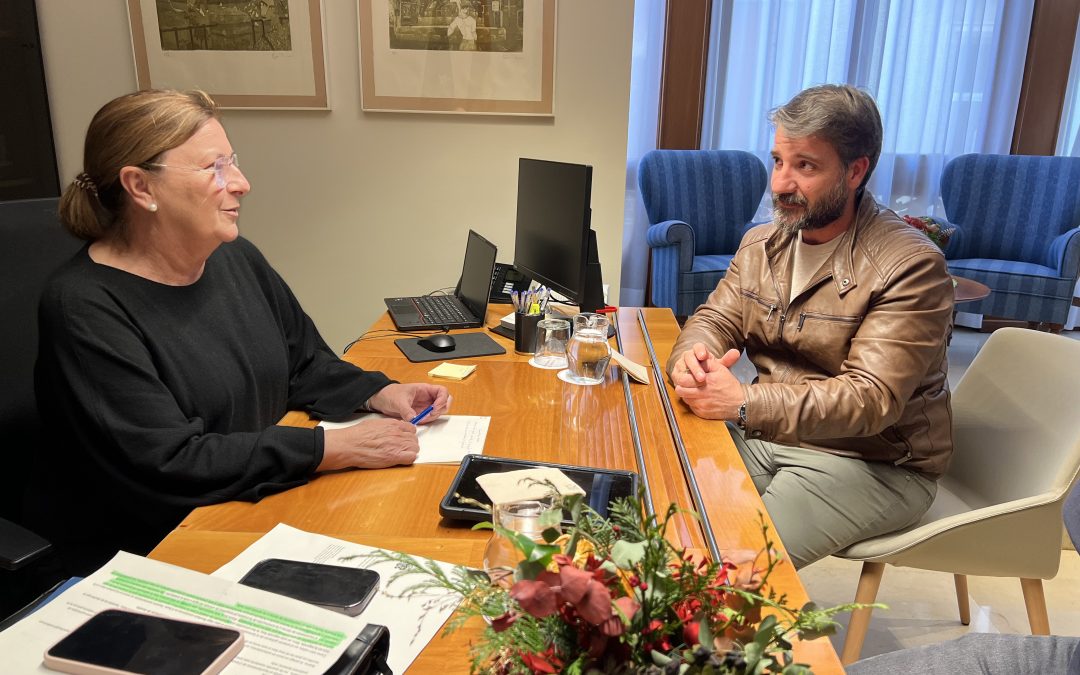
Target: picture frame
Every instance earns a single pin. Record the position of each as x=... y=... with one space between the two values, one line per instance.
x=263 y=54
x=494 y=57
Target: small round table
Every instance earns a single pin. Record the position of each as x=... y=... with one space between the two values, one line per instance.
x=968 y=290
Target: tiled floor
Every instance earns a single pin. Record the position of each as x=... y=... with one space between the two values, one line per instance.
x=922 y=605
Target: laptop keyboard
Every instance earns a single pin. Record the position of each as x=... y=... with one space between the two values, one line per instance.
x=440 y=309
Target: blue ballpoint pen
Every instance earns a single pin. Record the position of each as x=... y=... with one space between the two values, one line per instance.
x=422 y=415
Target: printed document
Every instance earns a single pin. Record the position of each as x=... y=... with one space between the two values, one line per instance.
x=281 y=635
x=412 y=621
x=445 y=441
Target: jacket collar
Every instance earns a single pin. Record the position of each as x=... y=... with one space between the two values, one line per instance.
x=842 y=261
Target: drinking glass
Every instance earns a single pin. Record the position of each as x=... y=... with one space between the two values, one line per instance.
x=588 y=352
x=552 y=336
x=521 y=517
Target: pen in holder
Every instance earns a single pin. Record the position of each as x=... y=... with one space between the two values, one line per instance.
x=525 y=332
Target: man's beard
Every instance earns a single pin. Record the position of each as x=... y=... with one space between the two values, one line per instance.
x=813 y=216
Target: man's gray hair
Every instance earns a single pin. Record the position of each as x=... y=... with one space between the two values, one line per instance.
x=844 y=116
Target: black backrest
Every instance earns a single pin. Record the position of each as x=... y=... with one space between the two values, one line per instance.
x=32 y=245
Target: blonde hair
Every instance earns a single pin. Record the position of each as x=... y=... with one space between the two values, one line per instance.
x=131 y=130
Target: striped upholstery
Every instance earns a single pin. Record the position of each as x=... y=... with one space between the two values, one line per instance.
x=699 y=203
x=1017 y=218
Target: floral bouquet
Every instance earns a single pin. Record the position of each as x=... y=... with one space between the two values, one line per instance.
x=615 y=596
x=930 y=227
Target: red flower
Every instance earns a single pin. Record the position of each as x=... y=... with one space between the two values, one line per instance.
x=544 y=595
x=501 y=623
x=544 y=662
x=691 y=632
x=535 y=597
x=652 y=633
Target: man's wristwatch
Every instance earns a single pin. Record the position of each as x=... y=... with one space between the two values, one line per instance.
x=742 y=416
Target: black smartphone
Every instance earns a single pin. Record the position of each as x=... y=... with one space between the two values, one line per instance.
x=343 y=589
x=119 y=641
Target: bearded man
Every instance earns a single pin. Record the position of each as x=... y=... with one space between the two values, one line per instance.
x=845 y=311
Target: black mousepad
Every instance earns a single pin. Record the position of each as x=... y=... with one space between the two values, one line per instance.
x=467 y=344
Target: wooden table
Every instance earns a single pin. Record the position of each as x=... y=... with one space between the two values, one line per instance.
x=534 y=415
x=968 y=290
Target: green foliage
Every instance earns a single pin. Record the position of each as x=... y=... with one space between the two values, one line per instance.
x=670 y=613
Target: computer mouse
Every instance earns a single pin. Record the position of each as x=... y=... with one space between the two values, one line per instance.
x=438 y=343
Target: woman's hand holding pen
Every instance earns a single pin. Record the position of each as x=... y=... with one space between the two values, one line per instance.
x=380 y=443
x=406 y=401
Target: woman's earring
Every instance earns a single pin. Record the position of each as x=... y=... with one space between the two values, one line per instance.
x=152 y=208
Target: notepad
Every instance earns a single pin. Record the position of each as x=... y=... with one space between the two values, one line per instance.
x=444 y=441
x=451 y=371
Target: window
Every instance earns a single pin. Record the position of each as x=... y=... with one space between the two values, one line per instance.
x=946 y=76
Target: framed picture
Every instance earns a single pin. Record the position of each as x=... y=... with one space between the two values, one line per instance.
x=458 y=56
x=244 y=53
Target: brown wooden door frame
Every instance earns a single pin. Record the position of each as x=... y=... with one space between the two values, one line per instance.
x=1046 y=77
x=682 y=79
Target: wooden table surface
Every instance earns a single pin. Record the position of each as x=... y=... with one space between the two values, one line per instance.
x=969 y=290
x=534 y=415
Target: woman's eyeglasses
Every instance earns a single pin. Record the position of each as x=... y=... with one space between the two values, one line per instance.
x=220 y=166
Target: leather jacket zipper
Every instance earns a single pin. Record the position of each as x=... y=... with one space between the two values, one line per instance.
x=761 y=301
x=825 y=317
x=907 y=448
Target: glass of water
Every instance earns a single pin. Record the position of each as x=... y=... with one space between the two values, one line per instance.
x=588 y=353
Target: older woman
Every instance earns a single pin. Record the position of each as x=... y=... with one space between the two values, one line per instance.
x=169 y=347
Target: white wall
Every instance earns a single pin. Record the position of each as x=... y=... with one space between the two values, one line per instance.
x=350 y=206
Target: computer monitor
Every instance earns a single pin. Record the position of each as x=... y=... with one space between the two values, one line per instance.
x=554 y=244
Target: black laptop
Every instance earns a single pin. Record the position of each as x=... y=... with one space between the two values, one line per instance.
x=466 y=308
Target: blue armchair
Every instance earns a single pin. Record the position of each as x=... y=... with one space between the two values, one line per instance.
x=1017 y=221
x=699 y=204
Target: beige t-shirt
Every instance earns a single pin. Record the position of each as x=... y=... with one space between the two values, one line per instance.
x=807 y=260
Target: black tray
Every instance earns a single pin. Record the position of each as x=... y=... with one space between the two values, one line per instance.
x=601 y=486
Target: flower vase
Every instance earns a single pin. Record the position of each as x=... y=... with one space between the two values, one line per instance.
x=520 y=518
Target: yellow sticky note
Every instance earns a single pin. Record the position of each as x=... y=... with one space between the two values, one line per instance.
x=451 y=371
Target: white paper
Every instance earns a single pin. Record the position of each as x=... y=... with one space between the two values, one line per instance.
x=445 y=441
x=634 y=370
x=523 y=484
x=278 y=631
x=412 y=622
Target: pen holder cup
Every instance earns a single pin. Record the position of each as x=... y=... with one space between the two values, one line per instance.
x=525 y=332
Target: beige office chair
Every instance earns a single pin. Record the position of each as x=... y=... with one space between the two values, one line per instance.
x=1016 y=428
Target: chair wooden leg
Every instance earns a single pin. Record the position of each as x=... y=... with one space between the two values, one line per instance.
x=962 y=598
x=1036 y=606
x=869 y=581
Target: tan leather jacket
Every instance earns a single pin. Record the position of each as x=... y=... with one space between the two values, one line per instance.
x=856 y=364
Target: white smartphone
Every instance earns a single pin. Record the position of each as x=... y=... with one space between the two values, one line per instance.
x=119 y=641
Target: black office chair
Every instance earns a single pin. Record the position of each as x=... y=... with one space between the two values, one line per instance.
x=32 y=245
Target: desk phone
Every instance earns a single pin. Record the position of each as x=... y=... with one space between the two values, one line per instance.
x=504 y=278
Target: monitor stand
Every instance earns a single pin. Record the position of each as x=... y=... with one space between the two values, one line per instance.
x=592 y=297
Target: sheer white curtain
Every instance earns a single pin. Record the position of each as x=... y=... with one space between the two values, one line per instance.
x=1068 y=142
x=945 y=74
x=641 y=137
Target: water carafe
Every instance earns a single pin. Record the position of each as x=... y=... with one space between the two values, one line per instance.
x=588 y=353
